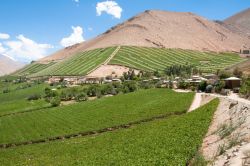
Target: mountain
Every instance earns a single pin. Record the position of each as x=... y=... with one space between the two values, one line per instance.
x=7 y=65
x=163 y=29
x=240 y=22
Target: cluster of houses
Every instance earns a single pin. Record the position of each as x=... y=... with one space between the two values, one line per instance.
x=230 y=83
x=78 y=80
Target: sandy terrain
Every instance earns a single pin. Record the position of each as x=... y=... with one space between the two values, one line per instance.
x=163 y=29
x=108 y=70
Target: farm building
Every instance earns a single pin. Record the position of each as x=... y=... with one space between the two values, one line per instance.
x=245 y=51
x=196 y=80
x=232 y=82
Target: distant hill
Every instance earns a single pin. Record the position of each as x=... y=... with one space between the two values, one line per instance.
x=7 y=65
x=163 y=29
x=240 y=22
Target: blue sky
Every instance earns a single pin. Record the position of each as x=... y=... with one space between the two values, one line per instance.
x=47 y=22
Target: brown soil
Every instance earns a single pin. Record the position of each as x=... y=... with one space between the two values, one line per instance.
x=163 y=29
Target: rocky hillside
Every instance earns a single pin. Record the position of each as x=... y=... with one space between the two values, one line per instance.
x=163 y=29
x=8 y=65
x=240 y=22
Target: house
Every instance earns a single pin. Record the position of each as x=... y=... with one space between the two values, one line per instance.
x=195 y=80
x=211 y=78
x=232 y=82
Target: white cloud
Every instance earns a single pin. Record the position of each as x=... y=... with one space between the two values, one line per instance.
x=4 y=36
x=77 y=1
x=110 y=7
x=2 y=49
x=25 y=50
x=75 y=37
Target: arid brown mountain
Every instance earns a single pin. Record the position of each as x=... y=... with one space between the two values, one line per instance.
x=240 y=22
x=163 y=29
x=8 y=65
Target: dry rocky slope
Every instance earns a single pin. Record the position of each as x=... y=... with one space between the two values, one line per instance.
x=240 y=23
x=227 y=142
x=8 y=65
x=163 y=29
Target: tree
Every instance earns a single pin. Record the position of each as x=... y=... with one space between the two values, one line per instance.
x=202 y=86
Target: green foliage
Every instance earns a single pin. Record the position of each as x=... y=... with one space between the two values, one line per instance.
x=34 y=97
x=183 y=85
x=158 y=59
x=93 y=115
x=202 y=86
x=55 y=101
x=218 y=86
x=81 y=97
x=180 y=70
x=172 y=141
x=245 y=87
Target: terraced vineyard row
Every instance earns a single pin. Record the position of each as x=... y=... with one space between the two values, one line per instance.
x=92 y=115
x=79 y=64
x=172 y=141
x=151 y=59
x=33 y=68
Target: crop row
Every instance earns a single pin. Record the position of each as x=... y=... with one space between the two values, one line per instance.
x=33 y=68
x=172 y=141
x=79 y=64
x=92 y=115
x=158 y=59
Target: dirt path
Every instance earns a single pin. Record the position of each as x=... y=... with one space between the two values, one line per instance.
x=196 y=102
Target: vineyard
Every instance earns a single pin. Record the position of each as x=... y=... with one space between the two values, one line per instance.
x=152 y=59
x=170 y=141
x=142 y=58
x=92 y=115
x=33 y=68
x=79 y=64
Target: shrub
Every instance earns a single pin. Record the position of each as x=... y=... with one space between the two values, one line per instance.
x=218 y=86
x=202 y=86
x=209 y=89
x=34 y=97
x=183 y=85
x=55 y=101
x=6 y=90
x=81 y=97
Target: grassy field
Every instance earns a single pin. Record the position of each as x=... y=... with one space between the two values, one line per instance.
x=79 y=64
x=172 y=141
x=16 y=100
x=152 y=59
x=92 y=115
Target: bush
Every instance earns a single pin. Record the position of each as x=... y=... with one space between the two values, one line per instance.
x=245 y=88
x=55 y=101
x=183 y=85
x=202 y=86
x=218 y=86
x=209 y=89
x=34 y=97
x=6 y=90
x=129 y=86
x=81 y=97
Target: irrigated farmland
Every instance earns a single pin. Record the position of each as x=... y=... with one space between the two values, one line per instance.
x=92 y=115
x=142 y=58
x=172 y=141
x=152 y=59
x=79 y=64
